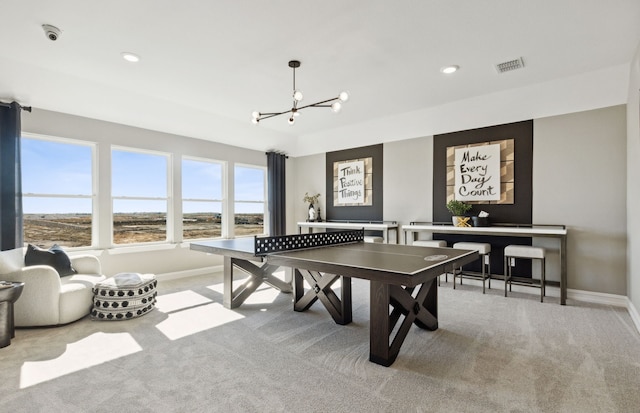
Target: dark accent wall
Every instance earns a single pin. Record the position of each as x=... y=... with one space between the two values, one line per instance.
x=520 y=212
x=364 y=213
x=522 y=133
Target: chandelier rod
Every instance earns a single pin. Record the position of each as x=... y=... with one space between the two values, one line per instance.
x=270 y=115
x=319 y=104
x=294 y=77
x=293 y=64
x=264 y=115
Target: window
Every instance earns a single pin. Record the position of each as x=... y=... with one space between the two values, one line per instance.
x=202 y=198
x=57 y=192
x=139 y=189
x=249 y=202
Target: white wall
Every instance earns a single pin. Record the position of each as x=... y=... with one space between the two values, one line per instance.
x=579 y=170
x=309 y=175
x=408 y=181
x=633 y=187
x=165 y=259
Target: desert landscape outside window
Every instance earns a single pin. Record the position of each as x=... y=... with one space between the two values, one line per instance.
x=139 y=188
x=202 y=198
x=60 y=196
x=57 y=191
x=249 y=200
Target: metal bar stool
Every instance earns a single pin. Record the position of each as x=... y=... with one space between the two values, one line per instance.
x=511 y=252
x=434 y=244
x=484 y=250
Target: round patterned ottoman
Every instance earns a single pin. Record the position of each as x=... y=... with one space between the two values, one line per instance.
x=124 y=296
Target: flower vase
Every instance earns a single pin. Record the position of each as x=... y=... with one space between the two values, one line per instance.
x=312 y=213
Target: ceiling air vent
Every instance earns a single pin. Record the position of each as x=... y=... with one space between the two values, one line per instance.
x=510 y=65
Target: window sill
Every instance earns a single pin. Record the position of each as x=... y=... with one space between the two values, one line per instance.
x=132 y=249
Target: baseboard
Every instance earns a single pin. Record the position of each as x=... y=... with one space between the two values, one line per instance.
x=598 y=298
x=189 y=273
x=633 y=312
x=553 y=291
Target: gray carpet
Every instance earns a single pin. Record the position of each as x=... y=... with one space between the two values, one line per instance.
x=490 y=354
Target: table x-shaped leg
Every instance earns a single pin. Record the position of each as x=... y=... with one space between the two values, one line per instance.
x=338 y=307
x=421 y=311
x=257 y=275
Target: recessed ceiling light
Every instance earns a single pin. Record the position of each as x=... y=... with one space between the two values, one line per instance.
x=130 y=57
x=450 y=69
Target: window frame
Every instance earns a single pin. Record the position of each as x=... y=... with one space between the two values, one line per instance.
x=265 y=221
x=93 y=197
x=170 y=219
x=223 y=191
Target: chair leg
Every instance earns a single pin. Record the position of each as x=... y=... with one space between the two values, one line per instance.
x=511 y=272
x=544 y=271
x=506 y=274
x=542 y=281
x=483 y=273
x=489 y=275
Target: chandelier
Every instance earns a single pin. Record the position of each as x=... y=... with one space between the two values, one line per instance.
x=297 y=97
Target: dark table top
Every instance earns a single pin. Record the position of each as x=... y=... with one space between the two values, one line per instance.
x=397 y=264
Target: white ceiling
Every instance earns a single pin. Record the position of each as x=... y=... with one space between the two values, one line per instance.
x=206 y=65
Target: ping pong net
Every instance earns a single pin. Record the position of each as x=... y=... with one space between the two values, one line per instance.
x=268 y=245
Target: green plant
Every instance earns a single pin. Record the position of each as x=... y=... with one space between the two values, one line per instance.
x=458 y=208
x=312 y=199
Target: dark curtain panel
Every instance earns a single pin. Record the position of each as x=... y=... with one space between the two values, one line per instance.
x=10 y=178
x=276 y=193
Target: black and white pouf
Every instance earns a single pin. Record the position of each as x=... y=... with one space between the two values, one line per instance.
x=124 y=296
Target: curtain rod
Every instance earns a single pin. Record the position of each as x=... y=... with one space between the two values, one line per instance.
x=278 y=152
x=8 y=105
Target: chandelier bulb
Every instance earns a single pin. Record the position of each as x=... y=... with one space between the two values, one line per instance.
x=336 y=106
x=291 y=120
x=255 y=121
x=297 y=95
x=255 y=114
x=343 y=96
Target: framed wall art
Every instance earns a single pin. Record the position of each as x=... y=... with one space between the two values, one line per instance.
x=353 y=182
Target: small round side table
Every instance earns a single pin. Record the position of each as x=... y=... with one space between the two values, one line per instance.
x=8 y=296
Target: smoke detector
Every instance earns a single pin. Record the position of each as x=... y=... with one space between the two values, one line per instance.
x=510 y=65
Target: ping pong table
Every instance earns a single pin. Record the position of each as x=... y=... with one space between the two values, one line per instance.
x=402 y=278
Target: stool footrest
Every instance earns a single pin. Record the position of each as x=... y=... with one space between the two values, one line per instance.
x=528 y=282
x=472 y=275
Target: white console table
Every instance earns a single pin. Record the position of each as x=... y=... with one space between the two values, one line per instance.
x=529 y=231
x=384 y=226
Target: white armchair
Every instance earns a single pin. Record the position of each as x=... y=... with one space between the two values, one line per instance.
x=48 y=299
